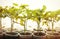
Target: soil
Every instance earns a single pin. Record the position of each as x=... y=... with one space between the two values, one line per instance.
x=54 y=33
x=39 y=34
x=27 y=33
x=11 y=33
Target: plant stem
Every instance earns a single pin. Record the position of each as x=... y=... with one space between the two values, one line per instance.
x=12 y=24
x=38 y=26
x=25 y=26
x=52 y=25
x=48 y=26
x=0 y=24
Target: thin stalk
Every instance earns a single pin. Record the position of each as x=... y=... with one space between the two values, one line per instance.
x=25 y=26
x=0 y=24
x=38 y=27
x=48 y=26
x=38 y=22
x=12 y=24
x=52 y=25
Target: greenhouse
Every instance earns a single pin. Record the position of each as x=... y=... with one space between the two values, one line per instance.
x=29 y=19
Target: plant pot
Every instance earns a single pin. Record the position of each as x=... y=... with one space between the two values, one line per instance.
x=39 y=35
x=25 y=35
x=11 y=35
x=1 y=35
x=53 y=35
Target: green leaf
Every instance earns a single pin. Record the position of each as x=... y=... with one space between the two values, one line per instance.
x=15 y=4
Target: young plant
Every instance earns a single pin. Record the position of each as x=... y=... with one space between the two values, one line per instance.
x=38 y=15
x=13 y=14
x=2 y=15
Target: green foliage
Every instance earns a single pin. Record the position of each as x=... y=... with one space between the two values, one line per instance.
x=15 y=4
x=43 y=9
x=24 y=6
x=35 y=15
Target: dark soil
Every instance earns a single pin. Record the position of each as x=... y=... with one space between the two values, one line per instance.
x=27 y=33
x=39 y=33
x=11 y=33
